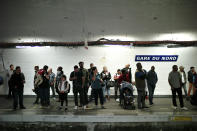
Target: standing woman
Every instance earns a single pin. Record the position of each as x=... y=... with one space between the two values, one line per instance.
x=58 y=79
x=106 y=76
x=96 y=87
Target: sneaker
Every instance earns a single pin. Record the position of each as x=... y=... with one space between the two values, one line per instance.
x=60 y=107
x=102 y=107
x=184 y=108
x=174 y=107
x=66 y=108
x=151 y=104
x=117 y=100
x=76 y=107
x=22 y=107
x=36 y=102
x=84 y=107
x=145 y=107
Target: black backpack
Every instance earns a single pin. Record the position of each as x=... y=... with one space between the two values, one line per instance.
x=45 y=82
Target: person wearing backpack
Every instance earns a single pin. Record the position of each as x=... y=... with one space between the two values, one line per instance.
x=64 y=89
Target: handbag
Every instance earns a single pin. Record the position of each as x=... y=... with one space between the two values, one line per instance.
x=110 y=83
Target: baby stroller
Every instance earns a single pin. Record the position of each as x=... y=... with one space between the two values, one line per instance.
x=126 y=96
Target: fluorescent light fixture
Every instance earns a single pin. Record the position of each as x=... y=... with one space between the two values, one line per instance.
x=176 y=37
x=119 y=38
x=31 y=39
x=183 y=37
x=22 y=47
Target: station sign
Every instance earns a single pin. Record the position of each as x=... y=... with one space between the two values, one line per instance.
x=159 y=58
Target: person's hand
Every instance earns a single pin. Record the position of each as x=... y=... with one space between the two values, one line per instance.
x=61 y=91
x=74 y=78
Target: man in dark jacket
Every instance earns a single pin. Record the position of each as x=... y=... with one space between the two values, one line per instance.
x=140 y=76
x=190 y=79
x=76 y=78
x=175 y=82
x=151 y=80
x=17 y=81
x=85 y=83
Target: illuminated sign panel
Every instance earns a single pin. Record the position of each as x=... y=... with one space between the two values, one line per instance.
x=161 y=58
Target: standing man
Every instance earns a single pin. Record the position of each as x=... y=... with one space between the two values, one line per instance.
x=52 y=82
x=9 y=74
x=140 y=76
x=151 y=80
x=190 y=79
x=183 y=80
x=76 y=78
x=175 y=82
x=17 y=82
x=90 y=72
x=117 y=85
x=46 y=86
x=36 y=88
x=85 y=83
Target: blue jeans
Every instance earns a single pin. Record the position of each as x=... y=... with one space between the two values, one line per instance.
x=151 y=89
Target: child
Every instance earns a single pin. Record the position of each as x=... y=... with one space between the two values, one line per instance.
x=64 y=88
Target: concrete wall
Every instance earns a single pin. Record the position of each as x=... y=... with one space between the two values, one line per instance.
x=77 y=20
x=113 y=57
